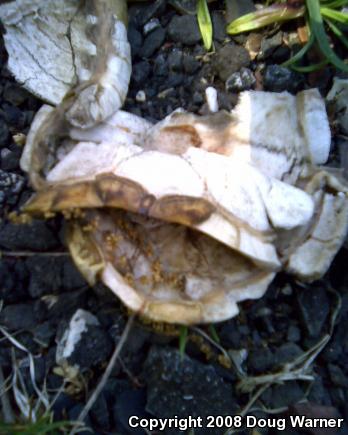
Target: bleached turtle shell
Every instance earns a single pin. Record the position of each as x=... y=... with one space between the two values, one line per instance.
x=185 y=218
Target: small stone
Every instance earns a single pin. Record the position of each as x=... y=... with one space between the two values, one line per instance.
x=175 y=59
x=184 y=29
x=44 y=333
x=184 y=6
x=219 y=26
x=141 y=72
x=15 y=94
x=84 y=343
x=36 y=236
x=197 y=98
x=135 y=40
x=128 y=403
x=11 y=185
x=9 y=159
x=314 y=308
x=337 y=376
x=140 y=97
x=153 y=42
x=190 y=64
x=4 y=133
x=160 y=68
x=100 y=414
x=240 y=81
x=18 y=316
x=141 y=14
x=153 y=24
x=230 y=59
x=287 y=353
x=278 y=79
x=260 y=360
x=268 y=45
x=294 y=333
x=282 y=395
x=185 y=386
x=13 y=116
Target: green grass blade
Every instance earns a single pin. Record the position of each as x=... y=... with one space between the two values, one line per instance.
x=205 y=24
x=335 y=3
x=296 y=57
x=183 y=340
x=338 y=32
x=317 y=26
x=213 y=333
x=341 y=17
x=264 y=17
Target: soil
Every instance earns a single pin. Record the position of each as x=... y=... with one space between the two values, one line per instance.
x=41 y=289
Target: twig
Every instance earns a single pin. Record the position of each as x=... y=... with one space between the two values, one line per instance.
x=106 y=374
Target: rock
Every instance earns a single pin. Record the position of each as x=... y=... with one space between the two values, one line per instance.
x=135 y=40
x=141 y=71
x=7 y=280
x=140 y=14
x=15 y=94
x=219 y=25
x=337 y=376
x=72 y=278
x=73 y=414
x=11 y=185
x=100 y=414
x=10 y=159
x=240 y=81
x=175 y=60
x=151 y=25
x=190 y=64
x=260 y=360
x=269 y=45
x=160 y=68
x=44 y=334
x=278 y=79
x=52 y=274
x=314 y=308
x=185 y=386
x=64 y=305
x=282 y=395
x=184 y=29
x=153 y=42
x=318 y=393
x=184 y=6
x=294 y=333
x=128 y=403
x=36 y=236
x=286 y=353
x=84 y=343
x=13 y=116
x=230 y=59
x=4 y=133
x=18 y=316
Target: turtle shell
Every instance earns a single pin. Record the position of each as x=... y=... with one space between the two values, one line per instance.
x=187 y=217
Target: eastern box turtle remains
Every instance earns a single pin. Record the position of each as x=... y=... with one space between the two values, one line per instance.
x=187 y=217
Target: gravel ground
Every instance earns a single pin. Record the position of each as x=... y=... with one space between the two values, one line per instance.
x=41 y=289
